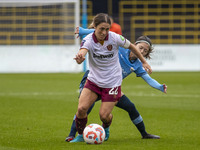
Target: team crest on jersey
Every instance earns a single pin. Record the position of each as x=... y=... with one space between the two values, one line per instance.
x=109 y=47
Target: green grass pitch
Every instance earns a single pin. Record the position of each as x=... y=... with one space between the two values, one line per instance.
x=36 y=111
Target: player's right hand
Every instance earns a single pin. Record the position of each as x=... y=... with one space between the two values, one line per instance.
x=147 y=67
x=79 y=58
x=165 y=88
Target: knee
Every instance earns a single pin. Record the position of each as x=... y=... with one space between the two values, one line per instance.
x=82 y=111
x=104 y=116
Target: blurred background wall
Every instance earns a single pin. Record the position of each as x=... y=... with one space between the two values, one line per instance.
x=46 y=32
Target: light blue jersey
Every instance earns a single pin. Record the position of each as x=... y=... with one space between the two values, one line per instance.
x=130 y=66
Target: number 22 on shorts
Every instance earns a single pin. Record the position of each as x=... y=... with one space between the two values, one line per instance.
x=113 y=91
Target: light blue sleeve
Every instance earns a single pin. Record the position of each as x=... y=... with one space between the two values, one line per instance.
x=83 y=31
x=153 y=83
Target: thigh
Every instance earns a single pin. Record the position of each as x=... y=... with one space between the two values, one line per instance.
x=87 y=98
x=107 y=107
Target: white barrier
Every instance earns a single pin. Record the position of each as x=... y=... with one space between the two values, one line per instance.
x=176 y=58
x=44 y=59
x=36 y=59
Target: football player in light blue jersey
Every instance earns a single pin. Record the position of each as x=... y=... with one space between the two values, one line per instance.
x=129 y=63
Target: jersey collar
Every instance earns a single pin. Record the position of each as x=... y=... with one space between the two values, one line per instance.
x=95 y=38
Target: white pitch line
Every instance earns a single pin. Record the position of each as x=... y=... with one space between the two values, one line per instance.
x=165 y=95
x=36 y=93
x=75 y=92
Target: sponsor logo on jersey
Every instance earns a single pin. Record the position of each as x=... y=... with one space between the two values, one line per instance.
x=103 y=56
x=122 y=38
x=109 y=47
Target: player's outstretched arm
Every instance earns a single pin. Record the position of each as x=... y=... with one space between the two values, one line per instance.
x=81 y=31
x=153 y=83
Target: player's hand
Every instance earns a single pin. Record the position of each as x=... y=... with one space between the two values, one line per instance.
x=77 y=32
x=79 y=58
x=147 y=67
x=165 y=88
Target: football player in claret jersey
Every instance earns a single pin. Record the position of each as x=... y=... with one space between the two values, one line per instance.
x=129 y=64
x=105 y=75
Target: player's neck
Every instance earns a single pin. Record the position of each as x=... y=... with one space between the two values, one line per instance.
x=101 y=42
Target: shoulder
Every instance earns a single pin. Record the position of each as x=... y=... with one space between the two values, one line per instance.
x=88 y=39
x=111 y=33
x=112 y=36
x=115 y=36
x=87 y=42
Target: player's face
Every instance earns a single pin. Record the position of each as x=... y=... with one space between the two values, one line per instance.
x=101 y=31
x=144 y=48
